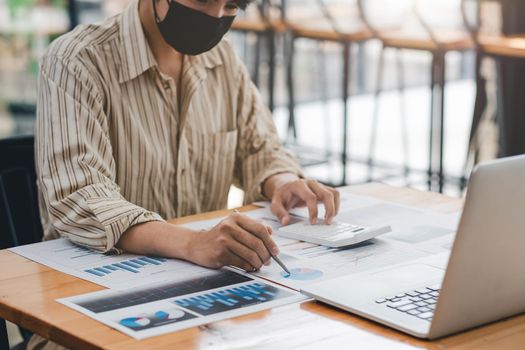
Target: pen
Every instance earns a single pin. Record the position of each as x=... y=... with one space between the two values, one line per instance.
x=274 y=257
x=279 y=261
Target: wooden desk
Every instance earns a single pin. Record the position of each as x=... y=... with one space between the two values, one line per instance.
x=28 y=291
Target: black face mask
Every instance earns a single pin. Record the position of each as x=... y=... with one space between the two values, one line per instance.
x=189 y=31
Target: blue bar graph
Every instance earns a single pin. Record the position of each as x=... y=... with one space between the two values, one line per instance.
x=103 y=270
x=157 y=258
x=229 y=298
x=207 y=294
x=150 y=260
x=131 y=266
x=136 y=261
x=94 y=272
x=124 y=267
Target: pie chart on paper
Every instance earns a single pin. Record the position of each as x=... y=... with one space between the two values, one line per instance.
x=302 y=274
x=135 y=322
x=170 y=315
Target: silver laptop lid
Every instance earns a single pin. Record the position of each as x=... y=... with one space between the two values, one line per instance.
x=485 y=278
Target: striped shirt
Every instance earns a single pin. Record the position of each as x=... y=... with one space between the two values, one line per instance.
x=114 y=148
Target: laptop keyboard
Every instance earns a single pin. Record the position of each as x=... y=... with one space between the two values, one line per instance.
x=418 y=303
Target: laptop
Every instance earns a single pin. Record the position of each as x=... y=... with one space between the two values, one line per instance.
x=481 y=281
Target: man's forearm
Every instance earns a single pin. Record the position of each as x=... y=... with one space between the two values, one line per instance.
x=157 y=238
x=276 y=181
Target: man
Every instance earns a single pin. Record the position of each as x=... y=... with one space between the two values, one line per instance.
x=150 y=116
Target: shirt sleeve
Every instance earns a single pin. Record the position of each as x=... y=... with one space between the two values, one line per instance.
x=74 y=159
x=260 y=153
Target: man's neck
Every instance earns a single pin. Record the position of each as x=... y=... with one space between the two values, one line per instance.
x=169 y=60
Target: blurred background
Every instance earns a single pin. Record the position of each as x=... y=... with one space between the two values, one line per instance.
x=406 y=92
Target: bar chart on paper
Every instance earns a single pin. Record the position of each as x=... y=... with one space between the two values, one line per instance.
x=131 y=266
x=229 y=299
x=169 y=306
x=112 y=271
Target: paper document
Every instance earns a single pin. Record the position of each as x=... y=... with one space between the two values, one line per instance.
x=116 y=272
x=171 y=306
x=347 y=201
x=309 y=263
x=416 y=233
x=154 y=295
x=264 y=214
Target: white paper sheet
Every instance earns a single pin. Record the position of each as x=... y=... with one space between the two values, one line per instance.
x=167 y=307
x=416 y=233
x=347 y=200
x=311 y=263
x=116 y=272
x=263 y=214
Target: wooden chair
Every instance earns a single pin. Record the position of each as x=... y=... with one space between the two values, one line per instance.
x=336 y=23
x=496 y=46
x=438 y=43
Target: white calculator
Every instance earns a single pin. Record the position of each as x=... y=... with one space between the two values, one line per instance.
x=337 y=234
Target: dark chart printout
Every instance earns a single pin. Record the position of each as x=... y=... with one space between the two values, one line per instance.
x=230 y=298
x=137 y=296
x=161 y=308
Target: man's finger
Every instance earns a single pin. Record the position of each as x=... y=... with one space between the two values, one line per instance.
x=327 y=198
x=231 y=258
x=277 y=207
x=310 y=198
x=245 y=252
x=258 y=231
x=252 y=243
x=337 y=198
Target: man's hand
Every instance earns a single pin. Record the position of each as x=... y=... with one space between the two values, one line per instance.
x=237 y=240
x=288 y=191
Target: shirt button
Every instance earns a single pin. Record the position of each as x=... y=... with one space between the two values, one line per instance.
x=182 y=172
x=166 y=86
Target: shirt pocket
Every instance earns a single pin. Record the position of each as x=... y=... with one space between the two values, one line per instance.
x=212 y=159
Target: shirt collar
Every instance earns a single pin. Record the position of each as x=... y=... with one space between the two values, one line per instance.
x=137 y=56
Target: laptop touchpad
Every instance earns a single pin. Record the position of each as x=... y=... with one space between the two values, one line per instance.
x=410 y=274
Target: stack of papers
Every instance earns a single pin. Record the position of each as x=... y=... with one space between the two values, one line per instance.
x=152 y=295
